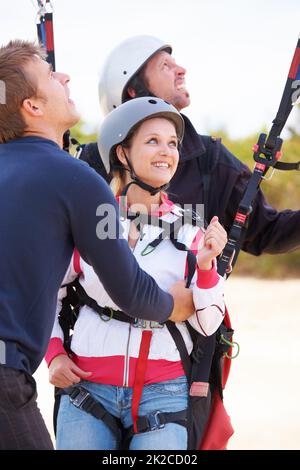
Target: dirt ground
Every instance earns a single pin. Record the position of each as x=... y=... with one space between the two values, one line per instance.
x=262 y=393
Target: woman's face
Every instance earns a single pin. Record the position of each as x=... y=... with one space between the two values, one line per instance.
x=153 y=152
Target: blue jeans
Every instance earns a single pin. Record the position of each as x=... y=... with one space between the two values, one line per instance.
x=79 y=430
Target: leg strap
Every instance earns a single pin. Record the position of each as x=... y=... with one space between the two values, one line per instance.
x=82 y=399
x=157 y=420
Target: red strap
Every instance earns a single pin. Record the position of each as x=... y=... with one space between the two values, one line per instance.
x=49 y=33
x=76 y=261
x=139 y=378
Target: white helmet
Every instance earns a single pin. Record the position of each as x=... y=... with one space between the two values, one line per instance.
x=118 y=124
x=122 y=64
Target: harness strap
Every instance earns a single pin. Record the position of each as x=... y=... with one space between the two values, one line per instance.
x=45 y=29
x=83 y=400
x=180 y=344
x=287 y=100
x=156 y=420
x=139 y=378
x=267 y=152
x=84 y=299
x=233 y=246
x=287 y=166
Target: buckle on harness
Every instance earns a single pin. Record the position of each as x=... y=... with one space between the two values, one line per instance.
x=146 y=324
x=79 y=399
x=154 y=421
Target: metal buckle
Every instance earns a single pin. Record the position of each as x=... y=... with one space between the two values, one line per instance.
x=268 y=178
x=146 y=324
x=154 y=421
x=80 y=398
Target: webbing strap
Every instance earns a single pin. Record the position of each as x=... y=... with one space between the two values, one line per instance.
x=181 y=346
x=267 y=153
x=288 y=99
x=82 y=399
x=45 y=29
x=240 y=219
x=139 y=378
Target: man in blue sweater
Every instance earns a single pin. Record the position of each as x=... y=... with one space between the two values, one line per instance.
x=48 y=205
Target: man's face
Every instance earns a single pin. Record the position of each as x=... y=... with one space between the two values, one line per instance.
x=166 y=80
x=58 y=110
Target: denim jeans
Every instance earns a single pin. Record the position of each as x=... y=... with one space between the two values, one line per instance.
x=79 y=430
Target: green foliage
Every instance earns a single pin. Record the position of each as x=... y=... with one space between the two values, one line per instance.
x=84 y=133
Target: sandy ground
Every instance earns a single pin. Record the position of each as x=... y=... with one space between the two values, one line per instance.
x=263 y=390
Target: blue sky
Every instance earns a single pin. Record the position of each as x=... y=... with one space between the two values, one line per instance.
x=237 y=53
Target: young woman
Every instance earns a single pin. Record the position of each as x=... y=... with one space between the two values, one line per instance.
x=131 y=375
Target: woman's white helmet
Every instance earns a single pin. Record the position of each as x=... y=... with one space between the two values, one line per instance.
x=118 y=124
x=125 y=61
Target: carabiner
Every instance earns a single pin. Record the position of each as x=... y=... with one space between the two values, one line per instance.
x=232 y=344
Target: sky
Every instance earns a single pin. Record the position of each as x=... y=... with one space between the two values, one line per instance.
x=237 y=53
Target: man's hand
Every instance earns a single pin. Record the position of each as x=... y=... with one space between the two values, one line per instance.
x=183 y=302
x=63 y=372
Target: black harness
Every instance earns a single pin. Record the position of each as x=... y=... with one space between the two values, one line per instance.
x=197 y=366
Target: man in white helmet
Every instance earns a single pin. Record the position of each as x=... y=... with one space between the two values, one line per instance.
x=207 y=172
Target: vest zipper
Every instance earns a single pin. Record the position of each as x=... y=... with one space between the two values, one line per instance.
x=127 y=358
x=126 y=361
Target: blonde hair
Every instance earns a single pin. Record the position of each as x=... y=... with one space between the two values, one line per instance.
x=117 y=183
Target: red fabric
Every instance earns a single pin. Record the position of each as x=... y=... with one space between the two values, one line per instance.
x=54 y=349
x=165 y=207
x=219 y=428
x=49 y=35
x=295 y=64
x=76 y=261
x=110 y=369
x=199 y=389
x=195 y=243
x=207 y=279
x=140 y=375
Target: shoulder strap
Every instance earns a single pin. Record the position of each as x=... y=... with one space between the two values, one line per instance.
x=207 y=163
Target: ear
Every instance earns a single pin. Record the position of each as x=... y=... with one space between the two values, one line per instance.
x=32 y=107
x=131 y=92
x=120 y=155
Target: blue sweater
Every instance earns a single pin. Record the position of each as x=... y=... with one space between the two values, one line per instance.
x=48 y=205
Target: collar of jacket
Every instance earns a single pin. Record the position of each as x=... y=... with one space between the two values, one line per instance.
x=192 y=145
